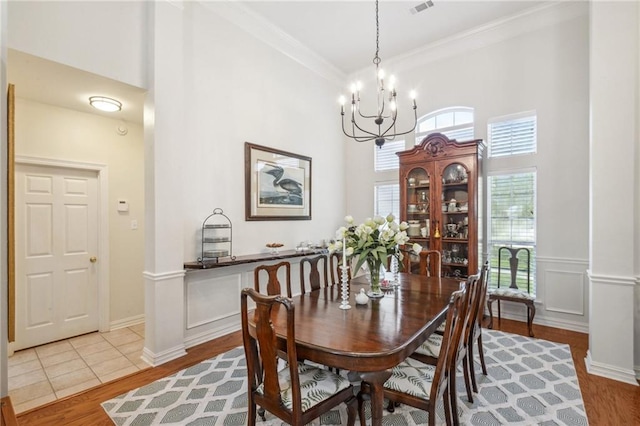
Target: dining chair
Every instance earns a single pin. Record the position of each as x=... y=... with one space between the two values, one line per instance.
x=513 y=293
x=315 y=281
x=421 y=385
x=430 y=263
x=335 y=267
x=273 y=286
x=431 y=350
x=475 y=334
x=298 y=393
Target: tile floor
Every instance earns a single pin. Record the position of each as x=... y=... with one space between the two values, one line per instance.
x=45 y=373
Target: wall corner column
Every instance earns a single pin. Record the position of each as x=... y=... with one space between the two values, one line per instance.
x=613 y=186
x=164 y=129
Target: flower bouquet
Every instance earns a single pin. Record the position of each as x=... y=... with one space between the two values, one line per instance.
x=373 y=242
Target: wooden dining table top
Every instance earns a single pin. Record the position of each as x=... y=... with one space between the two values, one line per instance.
x=371 y=337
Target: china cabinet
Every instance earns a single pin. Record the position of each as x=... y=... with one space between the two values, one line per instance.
x=440 y=200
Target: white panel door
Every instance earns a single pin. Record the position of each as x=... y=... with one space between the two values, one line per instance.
x=56 y=213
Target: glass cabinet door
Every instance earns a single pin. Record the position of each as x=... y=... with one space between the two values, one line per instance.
x=418 y=210
x=454 y=206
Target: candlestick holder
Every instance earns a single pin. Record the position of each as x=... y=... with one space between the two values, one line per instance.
x=345 y=288
x=394 y=270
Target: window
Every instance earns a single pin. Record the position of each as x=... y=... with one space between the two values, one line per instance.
x=512 y=224
x=386 y=158
x=455 y=123
x=387 y=199
x=512 y=135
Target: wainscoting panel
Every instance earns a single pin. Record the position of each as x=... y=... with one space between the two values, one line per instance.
x=212 y=299
x=203 y=289
x=562 y=296
x=565 y=292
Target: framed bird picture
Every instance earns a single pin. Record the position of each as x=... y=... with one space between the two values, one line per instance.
x=277 y=184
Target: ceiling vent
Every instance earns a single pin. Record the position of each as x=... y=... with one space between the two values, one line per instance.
x=420 y=7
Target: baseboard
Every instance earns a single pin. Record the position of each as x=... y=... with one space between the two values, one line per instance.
x=203 y=337
x=610 y=372
x=169 y=355
x=126 y=322
x=541 y=320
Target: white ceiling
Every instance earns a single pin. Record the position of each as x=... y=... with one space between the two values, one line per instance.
x=344 y=32
x=341 y=32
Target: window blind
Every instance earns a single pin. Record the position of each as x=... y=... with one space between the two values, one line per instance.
x=512 y=222
x=386 y=158
x=387 y=200
x=512 y=137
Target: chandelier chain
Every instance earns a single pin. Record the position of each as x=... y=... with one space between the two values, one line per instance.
x=376 y=59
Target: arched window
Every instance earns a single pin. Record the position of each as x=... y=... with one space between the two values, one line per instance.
x=454 y=122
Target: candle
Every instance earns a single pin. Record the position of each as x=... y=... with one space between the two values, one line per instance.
x=344 y=252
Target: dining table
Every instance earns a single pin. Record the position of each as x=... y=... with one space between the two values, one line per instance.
x=370 y=338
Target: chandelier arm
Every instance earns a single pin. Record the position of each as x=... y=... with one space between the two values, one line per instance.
x=415 y=122
x=358 y=138
x=373 y=135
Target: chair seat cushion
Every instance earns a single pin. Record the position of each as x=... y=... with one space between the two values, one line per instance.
x=412 y=377
x=316 y=385
x=511 y=292
x=431 y=347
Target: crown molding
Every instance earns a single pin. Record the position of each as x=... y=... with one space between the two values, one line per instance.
x=533 y=19
x=270 y=34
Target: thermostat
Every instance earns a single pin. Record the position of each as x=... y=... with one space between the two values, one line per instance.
x=123 y=206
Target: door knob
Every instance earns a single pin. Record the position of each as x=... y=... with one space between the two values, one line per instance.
x=93 y=259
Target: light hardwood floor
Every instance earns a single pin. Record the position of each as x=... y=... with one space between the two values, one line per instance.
x=608 y=403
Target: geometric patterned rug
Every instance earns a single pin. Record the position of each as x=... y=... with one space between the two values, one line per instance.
x=529 y=382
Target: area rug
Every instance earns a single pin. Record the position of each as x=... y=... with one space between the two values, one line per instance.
x=529 y=382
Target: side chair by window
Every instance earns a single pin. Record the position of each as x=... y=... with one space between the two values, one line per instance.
x=280 y=392
x=513 y=293
x=421 y=385
x=273 y=286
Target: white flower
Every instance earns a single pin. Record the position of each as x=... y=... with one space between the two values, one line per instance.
x=394 y=226
x=341 y=233
x=390 y=218
x=369 y=222
x=349 y=251
x=379 y=220
x=417 y=248
x=348 y=219
x=404 y=226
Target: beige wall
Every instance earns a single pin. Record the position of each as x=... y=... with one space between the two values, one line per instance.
x=51 y=132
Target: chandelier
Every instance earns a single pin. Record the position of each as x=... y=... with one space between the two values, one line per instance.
x=386 y=130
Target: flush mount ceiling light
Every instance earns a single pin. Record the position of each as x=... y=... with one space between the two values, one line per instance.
x=105 y=104
x=385 y=131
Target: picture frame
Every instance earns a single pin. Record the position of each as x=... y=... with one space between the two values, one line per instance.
x=277 y=184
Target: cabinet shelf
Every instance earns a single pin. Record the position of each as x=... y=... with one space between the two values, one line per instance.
x=455 y=240
x=457 y=265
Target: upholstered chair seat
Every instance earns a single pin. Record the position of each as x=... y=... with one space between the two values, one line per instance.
x=412 y=377
x=316 y=385
x=431 y=347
